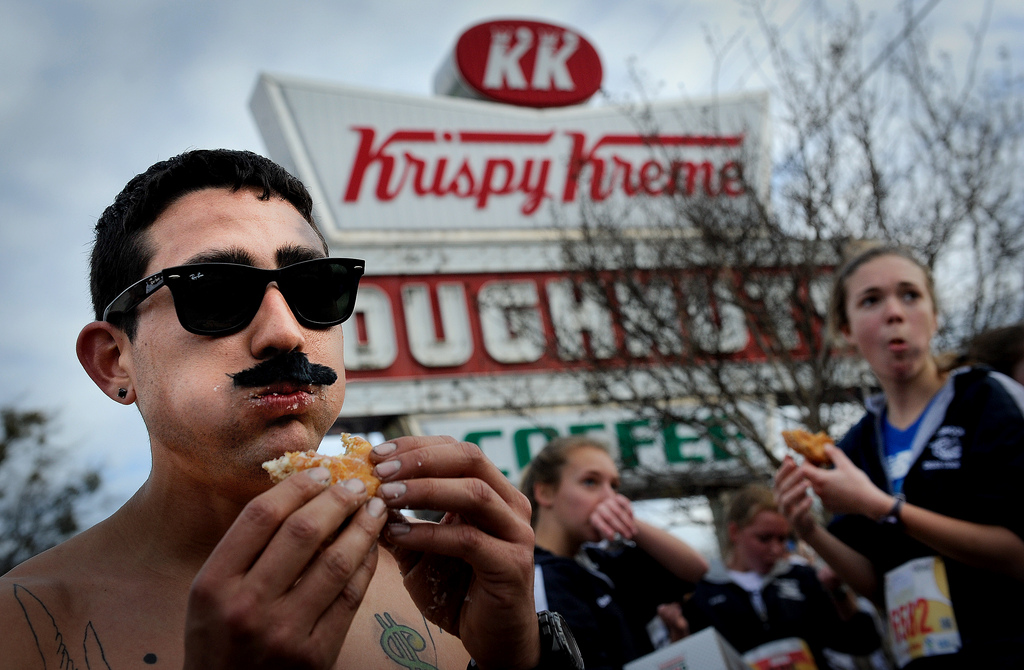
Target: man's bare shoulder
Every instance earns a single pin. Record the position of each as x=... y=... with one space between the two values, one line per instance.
x=33 y=598
x=79 y=605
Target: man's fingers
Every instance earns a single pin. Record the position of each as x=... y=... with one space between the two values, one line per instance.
x=337 y=570
x=490 y=557
x=344 y=607
x=302 y=533
x=287 y=604
x=471 y=499
x=487 y=526
x=437 y=457
x=260 y=520
x=339 y=613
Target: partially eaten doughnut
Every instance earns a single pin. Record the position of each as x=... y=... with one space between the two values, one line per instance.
x=352 y=463
x=809 y=445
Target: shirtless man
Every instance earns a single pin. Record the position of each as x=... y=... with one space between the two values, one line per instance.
x=208 y=565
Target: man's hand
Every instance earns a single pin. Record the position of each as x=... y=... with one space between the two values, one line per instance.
x=271 y=595
x=472 y=573
x=613 y=518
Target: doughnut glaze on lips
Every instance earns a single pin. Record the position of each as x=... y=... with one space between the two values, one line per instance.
x=284 y=397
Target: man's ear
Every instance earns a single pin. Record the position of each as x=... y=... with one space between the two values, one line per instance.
x=100 y=347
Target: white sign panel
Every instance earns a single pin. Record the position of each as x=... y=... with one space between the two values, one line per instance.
x=382 y=163
x=459 y=207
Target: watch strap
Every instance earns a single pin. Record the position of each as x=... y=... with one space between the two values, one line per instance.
x=893 y=517
x=558 y=648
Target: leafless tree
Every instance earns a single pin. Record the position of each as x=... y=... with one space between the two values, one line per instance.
x=719 y=305
x=37 y=503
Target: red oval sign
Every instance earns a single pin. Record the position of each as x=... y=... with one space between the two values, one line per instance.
x=528 y=63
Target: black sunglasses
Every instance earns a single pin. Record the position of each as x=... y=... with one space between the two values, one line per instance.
x=223 y=298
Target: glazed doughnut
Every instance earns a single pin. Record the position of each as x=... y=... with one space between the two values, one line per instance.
x=353 y=463
x=810 y=446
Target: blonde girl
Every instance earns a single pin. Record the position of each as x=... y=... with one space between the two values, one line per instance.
x=927 y=486
x=607 y=595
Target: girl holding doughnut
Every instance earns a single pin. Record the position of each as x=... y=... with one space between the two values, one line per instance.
x=928 y=488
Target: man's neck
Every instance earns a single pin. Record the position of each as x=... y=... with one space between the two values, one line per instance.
x=193 y=519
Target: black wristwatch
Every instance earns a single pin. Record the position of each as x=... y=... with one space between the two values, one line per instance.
x=558 y=650
x=893 y=517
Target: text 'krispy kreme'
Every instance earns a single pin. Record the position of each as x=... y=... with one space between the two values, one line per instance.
x=561 y=166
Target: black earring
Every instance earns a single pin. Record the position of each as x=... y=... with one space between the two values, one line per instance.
x=122 y=393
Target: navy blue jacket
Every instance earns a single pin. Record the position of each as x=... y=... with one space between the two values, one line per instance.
x=796 y=605
x=607 y=605
x=968 y=464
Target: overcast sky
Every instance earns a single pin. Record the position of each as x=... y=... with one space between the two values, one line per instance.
x=94 y=91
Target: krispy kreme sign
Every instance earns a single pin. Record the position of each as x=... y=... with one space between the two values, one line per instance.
x=494 y=341
x=459 y=207
x=379 y=162
x=510 y=323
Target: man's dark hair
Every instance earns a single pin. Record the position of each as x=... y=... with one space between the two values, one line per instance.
x=121 y=251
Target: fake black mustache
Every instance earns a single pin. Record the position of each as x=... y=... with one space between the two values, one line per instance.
x=291 y=366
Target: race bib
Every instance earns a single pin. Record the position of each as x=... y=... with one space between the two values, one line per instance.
x=921 y=621
x=789 y=653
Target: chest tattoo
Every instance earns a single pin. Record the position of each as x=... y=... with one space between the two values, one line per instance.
x=50 y=642
x=406 y=646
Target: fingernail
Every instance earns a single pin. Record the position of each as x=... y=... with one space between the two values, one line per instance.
x=392 y=490
x=354 y=485
x=385 y=448
x=321 y=475
x=387 y=468
x=375 y=507
x=398 y=528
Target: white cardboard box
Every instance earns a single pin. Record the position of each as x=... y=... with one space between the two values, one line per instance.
x=706 y=650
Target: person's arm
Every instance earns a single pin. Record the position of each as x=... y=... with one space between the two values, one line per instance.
x=472 y=573
x=844 y=598
x=842 y=625
x=671 y=614
x=847 y=490
x=271 y=595
x=982 y=546
x=613 y=517
x=676 y=556
x=791 y=484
